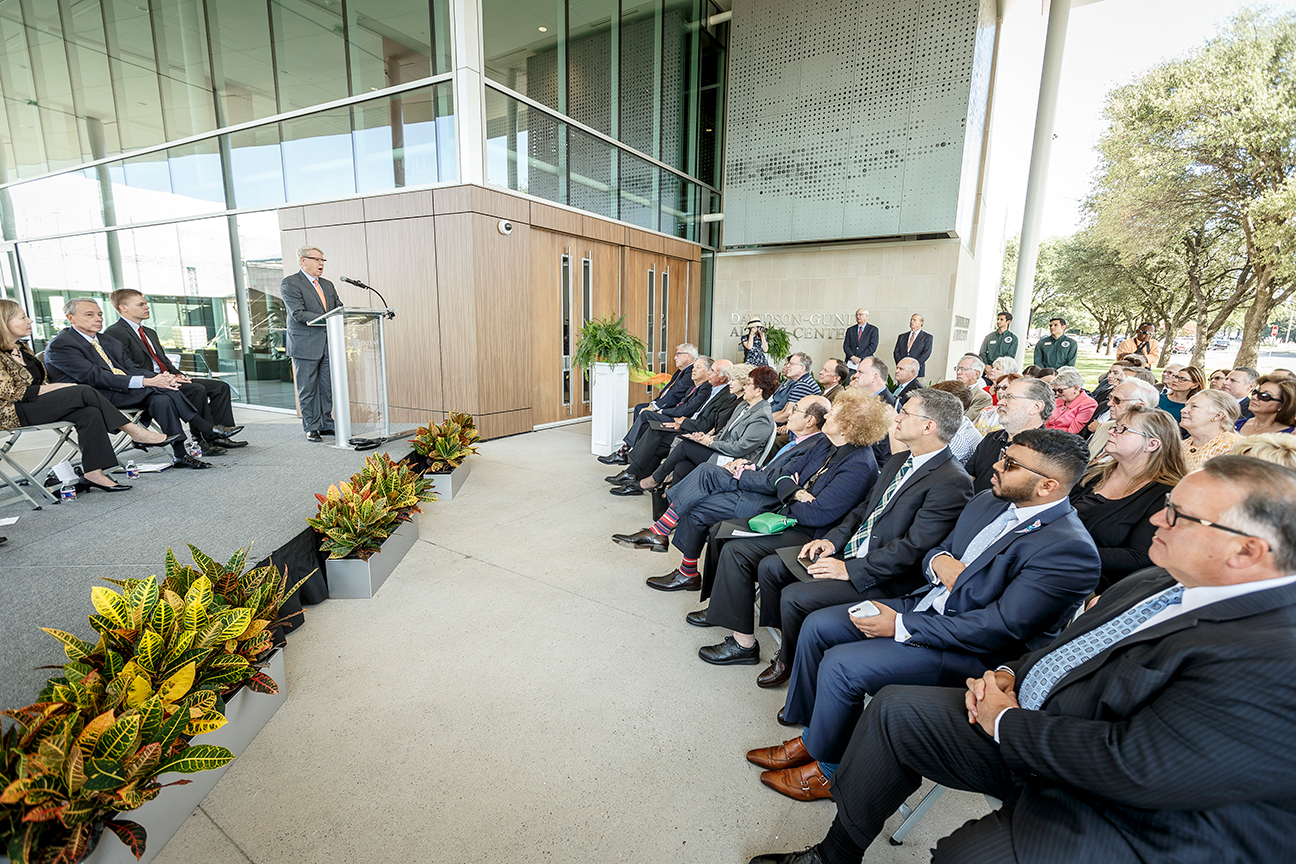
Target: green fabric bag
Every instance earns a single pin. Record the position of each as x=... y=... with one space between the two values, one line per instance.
x=770 y=523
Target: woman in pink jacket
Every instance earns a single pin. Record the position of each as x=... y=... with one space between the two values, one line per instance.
x=1074 y=407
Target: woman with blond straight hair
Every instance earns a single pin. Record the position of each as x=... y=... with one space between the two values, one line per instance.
x=1115 y=499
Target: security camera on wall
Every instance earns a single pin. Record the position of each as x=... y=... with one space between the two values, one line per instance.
x=505 y=226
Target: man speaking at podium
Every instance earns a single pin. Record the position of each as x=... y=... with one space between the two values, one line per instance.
x=308 y=295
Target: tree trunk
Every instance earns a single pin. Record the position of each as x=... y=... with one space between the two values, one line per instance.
x=1255 y=325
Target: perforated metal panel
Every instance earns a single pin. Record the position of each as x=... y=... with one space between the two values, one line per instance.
x=848 y=119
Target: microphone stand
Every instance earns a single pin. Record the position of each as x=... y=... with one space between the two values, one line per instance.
x=356 y=282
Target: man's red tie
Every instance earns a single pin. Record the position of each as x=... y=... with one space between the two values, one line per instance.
x=148 y=345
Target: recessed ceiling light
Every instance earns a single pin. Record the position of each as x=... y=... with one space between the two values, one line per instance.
x=544 y=29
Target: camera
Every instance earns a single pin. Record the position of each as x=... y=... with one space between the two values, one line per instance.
x=505 y=226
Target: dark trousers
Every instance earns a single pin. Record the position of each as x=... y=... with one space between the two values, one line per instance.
x=837 y=666
x=786 y=600
x=212 y=399
x=88 y=410
x=168 y=408
x=905 y=734
x=733 y=596
x=314 y=392
x=683 y=458
x=706 y=496
x=640 y=425
x=648 y=452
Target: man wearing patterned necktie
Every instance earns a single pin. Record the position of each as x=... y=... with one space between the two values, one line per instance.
x=1006 y=580
x=307 y=295
x=1157 y=727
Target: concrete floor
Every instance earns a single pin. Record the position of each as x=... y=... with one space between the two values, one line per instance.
x=516 y=694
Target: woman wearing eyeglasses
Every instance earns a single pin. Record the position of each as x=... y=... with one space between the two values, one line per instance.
x=989 y=419
x=1074 y=406
x=1181 y=386
x=1273 y=404
x=1120 y=492
x=1209 y=418
x=1218 y=377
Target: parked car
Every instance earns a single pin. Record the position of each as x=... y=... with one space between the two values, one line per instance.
x=1182 y=346
x=1221 y=343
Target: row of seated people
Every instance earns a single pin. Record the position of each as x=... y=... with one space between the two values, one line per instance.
x=87 y=377
x=969 y=573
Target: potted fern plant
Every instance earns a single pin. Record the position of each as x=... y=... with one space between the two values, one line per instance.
x=441 y=453
x=369 y=524
x=608 y=349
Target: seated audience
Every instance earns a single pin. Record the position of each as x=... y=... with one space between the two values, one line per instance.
x=1143 y=375
x=1005 y=581
x=1002 y=366
x=1167 y=372
x=834 y=377
x=211 y=397
x=1140 y=345
x=1031 y=371
x=1074 y=406
x=79 y=356
x=1182 y=385
x=1114 y=376
x=1027 y=404
x=871 y=377
x=1142 y=461
x=906 y=380
x=989 y=419
x=967 y=438
x=876 y=550
x=1132 y=391
x=1209 y=418
x=725 y=381
x=745 y=435
x=679 y=385
x=1273 y=406
x=968 y=371
x=1274 y=447
x=28 y=399
x=1217 y=378
x=1046 y=373
x=798 y=384
x=1238 y=383
x=690 y=403
x=1170 y=743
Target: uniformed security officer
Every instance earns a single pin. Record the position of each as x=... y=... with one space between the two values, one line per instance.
x=1056 y=349
x=1001 y=343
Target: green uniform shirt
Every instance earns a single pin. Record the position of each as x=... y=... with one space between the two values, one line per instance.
x=998 y=345
x=1057 y=352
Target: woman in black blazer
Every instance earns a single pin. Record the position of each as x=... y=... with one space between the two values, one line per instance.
x=1125 y=486
x=26 y=399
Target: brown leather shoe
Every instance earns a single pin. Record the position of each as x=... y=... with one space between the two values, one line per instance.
x=775 y=674
x=675 y=581
x=644 y=539
x=802 y=783
x=789 y=754
x=783 y=722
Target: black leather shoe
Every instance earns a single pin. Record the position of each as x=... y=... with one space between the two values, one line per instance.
x=616 y=457
x=805 y=856
x=730 y=653
x=698 y=619
x=313 y=436
x=675 y=581
x=621 y=479
x=187 y=461
x=84 y=485
x=627 y=489
x=3 y=540
x=783 y=722
x=139 y=445
x=326 y=431
x=227 y=443
x=228 y=431
x=644 y=539
x=211 y=448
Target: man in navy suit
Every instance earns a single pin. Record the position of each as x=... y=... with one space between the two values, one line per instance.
x=676 y=391
x=78 y=354
x=861 y=340
x=1157 y=727
x=915 y=342
x=1005 y=581
x=307 y=295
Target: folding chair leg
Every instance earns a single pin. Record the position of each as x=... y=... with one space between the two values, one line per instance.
x=912 y=815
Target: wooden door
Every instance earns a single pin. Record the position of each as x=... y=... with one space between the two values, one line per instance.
x=640 y=296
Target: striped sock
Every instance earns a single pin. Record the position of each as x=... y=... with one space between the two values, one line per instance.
x=688 y=567
x=666 y=523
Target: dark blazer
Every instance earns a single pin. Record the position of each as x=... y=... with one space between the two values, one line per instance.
x=691 y=402
x=676 y=388
x=1018 y=594
x=882 y=447
x=915 y=520
x=1244 y=405
x=1179 y=736
x=134 y=348
x=855 y=346
x=304 y=341
x=714 y=414
x=847 y=479
x=922 y=349
x=1121 y=529
x=981 y=465
x=906 y=391
x=69 y=357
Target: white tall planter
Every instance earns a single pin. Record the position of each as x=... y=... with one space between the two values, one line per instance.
x=608 y=406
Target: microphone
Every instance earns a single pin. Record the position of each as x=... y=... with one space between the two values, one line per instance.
x=356 y=282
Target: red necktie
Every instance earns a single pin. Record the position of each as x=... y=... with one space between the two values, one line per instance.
x=161 y=367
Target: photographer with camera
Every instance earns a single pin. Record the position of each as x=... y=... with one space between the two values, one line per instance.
x=755 y=344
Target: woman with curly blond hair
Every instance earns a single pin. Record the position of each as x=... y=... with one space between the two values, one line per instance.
x=1276 y=447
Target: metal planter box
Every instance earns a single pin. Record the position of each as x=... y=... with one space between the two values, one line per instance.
x=247 y=713
x=446 y=486
x=353 y=579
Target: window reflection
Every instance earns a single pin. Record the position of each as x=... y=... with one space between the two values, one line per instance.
x=317 y=155
x=309 y=52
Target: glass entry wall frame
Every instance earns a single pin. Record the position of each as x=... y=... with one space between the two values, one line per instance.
x=587 y=315
x=568 y=338
x=652 y=321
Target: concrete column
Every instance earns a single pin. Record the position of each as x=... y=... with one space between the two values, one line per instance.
x=1054 y=43
x=469 y=97
x=94 y=130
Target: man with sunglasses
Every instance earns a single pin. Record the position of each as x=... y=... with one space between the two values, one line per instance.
x=1129 y=392
x=1157 y=727
x=1005 y=581
x=1142 y=344
x=307 y=295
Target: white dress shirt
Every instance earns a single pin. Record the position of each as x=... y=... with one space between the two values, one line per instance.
x=136 y=381
x=918 y=462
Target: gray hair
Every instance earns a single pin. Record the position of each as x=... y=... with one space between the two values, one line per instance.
x=1268 y=510
x=705 y=361
x=944 y=409
x=1144 y=393
x=1251 y=373
x=70 y=307
x=804 y=359
x=1007 y=365
x=302 y=250
x=1068 y=377
x=1222 y=402
x=689 y=348
x=879 y=366
x=1041 y=392
x=976 y=363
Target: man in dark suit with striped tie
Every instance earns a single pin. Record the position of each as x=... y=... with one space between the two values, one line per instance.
x=1157 y=727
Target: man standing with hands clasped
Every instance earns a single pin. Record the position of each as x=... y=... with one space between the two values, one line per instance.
x=308 y=295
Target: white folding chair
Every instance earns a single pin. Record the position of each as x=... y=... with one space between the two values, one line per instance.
x=22 y=477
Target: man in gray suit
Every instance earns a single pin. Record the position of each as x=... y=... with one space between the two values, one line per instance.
x=308 y=295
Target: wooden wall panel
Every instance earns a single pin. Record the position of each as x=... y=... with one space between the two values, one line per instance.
x=556 y=219
x=545 y=361
x=402 y=265
x=344 y=247
x=500 y=205
x=453 y=199
x=345 y=212
x=502 y=267
x=505 y=423
x=458 y=312
x=601 y=229
x=635 y=265
x=406 y=205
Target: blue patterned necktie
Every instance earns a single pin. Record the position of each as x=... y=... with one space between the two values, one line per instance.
x=989 y=534
x=1057 y=663
x=867 y=528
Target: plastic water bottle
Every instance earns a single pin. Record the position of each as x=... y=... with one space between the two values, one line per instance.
x=193 y=448
x=67 y=492
x=132 y=470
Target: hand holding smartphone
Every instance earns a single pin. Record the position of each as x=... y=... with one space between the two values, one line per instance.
x=864 y=609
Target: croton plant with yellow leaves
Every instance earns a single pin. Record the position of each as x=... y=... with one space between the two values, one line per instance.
x=124 y=709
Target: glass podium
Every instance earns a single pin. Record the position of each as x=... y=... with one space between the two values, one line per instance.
x=358 y=367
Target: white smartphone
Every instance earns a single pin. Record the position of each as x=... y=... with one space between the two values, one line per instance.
x=864 y=609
